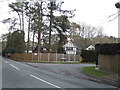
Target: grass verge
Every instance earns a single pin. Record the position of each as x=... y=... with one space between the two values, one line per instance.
x=52 y=62
x=90 y=70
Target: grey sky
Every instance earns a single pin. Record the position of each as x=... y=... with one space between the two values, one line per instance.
x=91 y=12
x=95 y=13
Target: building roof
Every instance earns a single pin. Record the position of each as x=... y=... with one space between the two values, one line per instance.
x=42 y=49
x=90 y=47
x=69 y=44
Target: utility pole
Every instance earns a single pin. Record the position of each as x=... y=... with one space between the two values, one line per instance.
x=117 y=5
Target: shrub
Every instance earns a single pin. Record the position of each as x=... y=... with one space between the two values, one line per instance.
x=3 y=53
x=89 y=55
x=61 y=50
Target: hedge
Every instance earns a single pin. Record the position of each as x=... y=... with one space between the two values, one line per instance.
x=89 y=55
x=108 y=49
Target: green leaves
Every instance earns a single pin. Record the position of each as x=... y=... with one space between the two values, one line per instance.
x=43 y=19
x=16 y=7
x=15 y=42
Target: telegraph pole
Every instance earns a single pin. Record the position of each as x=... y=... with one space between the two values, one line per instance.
x=117 y=5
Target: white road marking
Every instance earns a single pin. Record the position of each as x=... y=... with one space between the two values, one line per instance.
x=45 y=81
x=51 y=64
x=14 y=67
x=5 y=61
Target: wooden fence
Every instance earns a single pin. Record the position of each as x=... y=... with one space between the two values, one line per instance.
x=109 y=63
x=44 y=57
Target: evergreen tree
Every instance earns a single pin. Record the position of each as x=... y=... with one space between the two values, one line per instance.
x=15 y=42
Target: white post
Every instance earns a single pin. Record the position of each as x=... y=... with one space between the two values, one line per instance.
x=117 y=5
x=119 y=25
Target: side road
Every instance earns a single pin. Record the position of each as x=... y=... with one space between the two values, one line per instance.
x=73 y=70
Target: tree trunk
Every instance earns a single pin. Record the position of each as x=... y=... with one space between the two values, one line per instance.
x=22 y=18
x=33 y=41
x=20 y=21
x=28 y=42
x=50 y=26
x=40 y=21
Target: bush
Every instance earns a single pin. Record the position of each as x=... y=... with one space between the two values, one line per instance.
x=61 y=50
x=108 y=49
x=89 y=55
x=3 y=53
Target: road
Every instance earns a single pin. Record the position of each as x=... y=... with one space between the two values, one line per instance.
x=0 y=73
x=21 y=75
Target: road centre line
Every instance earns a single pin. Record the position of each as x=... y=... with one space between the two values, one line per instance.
x=46 y=82
x=14 y=66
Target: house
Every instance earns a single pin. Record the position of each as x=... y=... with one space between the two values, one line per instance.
x=41 y=50
x=30 y=47
x=91 y=47
x=30 y=50
x=70 y=48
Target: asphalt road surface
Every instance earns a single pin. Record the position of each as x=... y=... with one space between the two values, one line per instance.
x=22 y=75
x=0 y=73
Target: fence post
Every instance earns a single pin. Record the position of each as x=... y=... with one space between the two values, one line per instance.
x=25 y=56
x=63 y=55
x=32 y=56
x=48 y=57
x=69 y=57
x=56 y=57
x=74 y=57
x=38 y=56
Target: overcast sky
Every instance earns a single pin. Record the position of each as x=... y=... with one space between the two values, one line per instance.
x=91 y=12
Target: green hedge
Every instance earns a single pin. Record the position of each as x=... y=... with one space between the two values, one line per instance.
x=89 y=55
x=3 y=53
x=108 y=49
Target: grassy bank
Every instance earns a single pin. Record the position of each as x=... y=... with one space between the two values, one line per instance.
x=90 y=70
